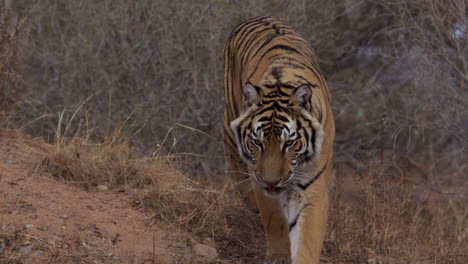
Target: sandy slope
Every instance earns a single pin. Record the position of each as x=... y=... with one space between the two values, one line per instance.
x=44 y=220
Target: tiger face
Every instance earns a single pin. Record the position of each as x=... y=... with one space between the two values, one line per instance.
x=276 y=134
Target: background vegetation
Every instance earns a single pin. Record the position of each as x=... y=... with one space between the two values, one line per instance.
x=397 y=70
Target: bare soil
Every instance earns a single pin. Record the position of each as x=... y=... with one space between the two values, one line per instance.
x=43 y=220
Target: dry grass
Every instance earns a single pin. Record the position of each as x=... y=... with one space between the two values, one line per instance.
x=65 y=248
x=389 y=219
x=112 y=162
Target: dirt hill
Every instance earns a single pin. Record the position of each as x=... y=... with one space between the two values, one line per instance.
x=43 y=220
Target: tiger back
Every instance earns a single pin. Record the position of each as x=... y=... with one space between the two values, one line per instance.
x=279 y=133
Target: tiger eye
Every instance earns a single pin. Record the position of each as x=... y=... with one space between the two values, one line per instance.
x=288 y=143
x=257 y=142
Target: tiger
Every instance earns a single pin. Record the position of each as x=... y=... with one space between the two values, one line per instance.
x=279 y=132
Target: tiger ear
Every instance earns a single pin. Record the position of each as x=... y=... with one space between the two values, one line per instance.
x=301 y=96
x=252 y=94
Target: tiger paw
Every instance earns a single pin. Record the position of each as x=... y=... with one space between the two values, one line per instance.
x=278 y=259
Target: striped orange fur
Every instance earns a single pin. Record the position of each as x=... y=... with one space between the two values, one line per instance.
x=279 y=133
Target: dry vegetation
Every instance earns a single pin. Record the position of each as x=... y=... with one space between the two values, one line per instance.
x=387 y=220
x=9 y=70
x=398 y=74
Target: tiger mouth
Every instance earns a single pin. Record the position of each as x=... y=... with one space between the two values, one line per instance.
x=274 y=190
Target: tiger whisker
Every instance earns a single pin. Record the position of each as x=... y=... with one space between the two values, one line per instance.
x=243 y=181
x=300 y=192
x=238 y=171
x=302 y=173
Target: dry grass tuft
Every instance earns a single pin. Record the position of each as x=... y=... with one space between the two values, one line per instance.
x=112 y=162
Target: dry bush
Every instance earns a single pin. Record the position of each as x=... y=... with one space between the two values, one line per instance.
x=419 y=85
x=386 y=219
x=403 y=90
x=160 y=60
x=387 y=63
x=428 y=113
x=9 y=65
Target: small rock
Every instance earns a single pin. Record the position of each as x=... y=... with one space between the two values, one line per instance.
x=28 y=207
x=24 y=251
x=204 y=250
x=64 y=217
x=102 y=187
x=29 y=226
x=39 y=253
x=43 y=228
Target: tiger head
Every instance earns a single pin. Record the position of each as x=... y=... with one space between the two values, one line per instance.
x=277 y=133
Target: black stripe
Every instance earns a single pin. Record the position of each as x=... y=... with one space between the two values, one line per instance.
x=264 y=110
x=307 y=184
x=263 y=119
x=293 y=65
x=251 y=39
x=270 y=95
x=277 y=29
x=307 y=81
x=312 y=139
x=306 y=136
x=284 y=47
x=244 y=26
x=266 y=40
x=279 y=46
x=249 y=36
x=294 y=222
x=282 y=118
x=291 y=225
x=317 y=74
x=288 y=86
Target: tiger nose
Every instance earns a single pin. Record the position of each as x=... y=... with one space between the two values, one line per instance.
x=271 y=183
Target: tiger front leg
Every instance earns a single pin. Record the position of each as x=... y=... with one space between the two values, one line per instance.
x=308 y=226
x=276 y=228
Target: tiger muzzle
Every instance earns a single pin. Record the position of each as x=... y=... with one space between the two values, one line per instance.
x=271 y=187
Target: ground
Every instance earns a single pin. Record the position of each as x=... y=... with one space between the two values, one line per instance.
x=43 y=220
